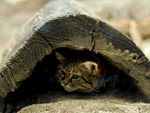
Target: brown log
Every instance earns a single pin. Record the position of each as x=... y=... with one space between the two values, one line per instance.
x=66 y=24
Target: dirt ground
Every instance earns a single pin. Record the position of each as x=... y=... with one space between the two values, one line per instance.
x=113 y=101
x=120 y=14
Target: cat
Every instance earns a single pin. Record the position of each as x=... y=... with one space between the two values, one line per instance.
x=86 y=74
x=87 y=71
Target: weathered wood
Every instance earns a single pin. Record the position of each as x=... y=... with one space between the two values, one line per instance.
x=124 y=54
x=66 y=24
x=60 y=23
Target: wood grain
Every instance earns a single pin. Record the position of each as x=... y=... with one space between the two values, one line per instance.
x=67 y=24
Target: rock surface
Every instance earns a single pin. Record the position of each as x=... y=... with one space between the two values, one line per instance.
x=113 y=101
x=86 y=106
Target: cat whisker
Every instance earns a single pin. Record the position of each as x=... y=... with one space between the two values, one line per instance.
x=96 y=91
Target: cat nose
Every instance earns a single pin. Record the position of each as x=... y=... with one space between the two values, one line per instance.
x=65 y=83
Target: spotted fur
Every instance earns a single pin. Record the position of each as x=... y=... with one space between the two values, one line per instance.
x=80 y=75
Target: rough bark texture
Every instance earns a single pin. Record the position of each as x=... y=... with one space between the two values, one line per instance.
x=67 y=24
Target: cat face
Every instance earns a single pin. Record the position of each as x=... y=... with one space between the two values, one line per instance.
x=78 y=75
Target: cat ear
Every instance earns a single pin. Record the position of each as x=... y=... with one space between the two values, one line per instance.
x=59 y=56
x=90 y=66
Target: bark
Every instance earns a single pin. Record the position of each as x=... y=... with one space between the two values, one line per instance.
x=67 y=24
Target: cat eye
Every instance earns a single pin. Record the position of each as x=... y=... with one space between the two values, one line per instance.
x=62 y=73
x=75 y=77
